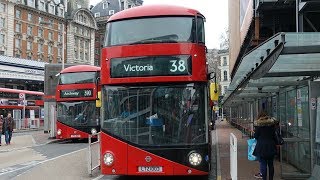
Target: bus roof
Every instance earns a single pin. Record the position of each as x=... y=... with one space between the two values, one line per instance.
x=153 y=10
x=80 y=68
x=21 y=91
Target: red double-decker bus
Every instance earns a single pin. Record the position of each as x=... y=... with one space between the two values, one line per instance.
x=27 y=107
x=155 y=93
x=76 y=95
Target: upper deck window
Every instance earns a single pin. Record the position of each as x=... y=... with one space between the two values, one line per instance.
x=200 y=30
x=151 y=30
x=77 y=78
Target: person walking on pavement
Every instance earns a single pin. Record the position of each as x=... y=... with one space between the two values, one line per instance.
x=265 y=148
x=8 y=128
x=1 y=127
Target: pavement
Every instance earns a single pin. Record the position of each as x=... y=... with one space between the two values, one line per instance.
x=246 y=169
x=26 y=139
x=70 y=165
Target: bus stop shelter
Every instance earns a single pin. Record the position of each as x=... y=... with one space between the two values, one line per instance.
x=280 y=77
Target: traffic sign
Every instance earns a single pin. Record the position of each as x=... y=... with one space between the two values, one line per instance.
x=21 y=95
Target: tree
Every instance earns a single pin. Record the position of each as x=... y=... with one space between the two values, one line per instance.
x=224 y=39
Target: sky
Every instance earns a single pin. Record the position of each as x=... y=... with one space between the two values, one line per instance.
x=215 y=11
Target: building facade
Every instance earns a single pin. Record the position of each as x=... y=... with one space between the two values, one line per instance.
x=38 y=28
x=81 y=28
x=102 y=11
x=223 y=57
x=46 y=31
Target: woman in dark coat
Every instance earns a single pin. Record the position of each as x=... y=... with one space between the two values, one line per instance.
x=265 y=148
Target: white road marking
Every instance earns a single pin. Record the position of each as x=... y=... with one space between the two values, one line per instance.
x=8 y=170
x=99 y=177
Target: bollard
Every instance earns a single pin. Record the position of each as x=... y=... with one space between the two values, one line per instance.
x=233 y=157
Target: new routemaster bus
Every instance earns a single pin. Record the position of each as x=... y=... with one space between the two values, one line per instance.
x=22 y=101
x=155 y=93
x=76 y=94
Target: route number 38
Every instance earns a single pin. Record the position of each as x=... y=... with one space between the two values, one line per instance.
x=177 y=65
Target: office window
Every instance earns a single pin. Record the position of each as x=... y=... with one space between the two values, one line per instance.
x=29 y=30
x=40 y=33
x=81 y=55
x=225 y=63
x=2 y=7
x=50 y=23
x=86 y=56
x=49 y=49
x=97 y=14
x=81 y=44
x=60 y=51
x=18 y=14
x=41 y=5
x=29 y=45
x=18 y=28
x=40 y=47
x=60 y=26
x=86 y=44
x=122 y=5
x=51 y=9
x=2 y=22
x=61 y=12
x=111 y=12
x=225 y=75
x=59 y=38
x=2 y=39
x=40 y=19
x=80 y=31
x=18 y=43
x=50 y=35
x=225 y=88
x=30 y=2
x=76 y=54
x=105 y=5
x=29 y=17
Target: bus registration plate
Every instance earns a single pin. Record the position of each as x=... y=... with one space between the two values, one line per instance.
x=150 y=169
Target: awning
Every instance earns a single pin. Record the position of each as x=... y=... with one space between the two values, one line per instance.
x=286 y=59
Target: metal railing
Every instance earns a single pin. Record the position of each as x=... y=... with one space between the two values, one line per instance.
x=233 y=157
x=93 y=153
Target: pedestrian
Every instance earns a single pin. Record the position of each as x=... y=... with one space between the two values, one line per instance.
x=8 y=128
x=1 y=127
x=265 y=148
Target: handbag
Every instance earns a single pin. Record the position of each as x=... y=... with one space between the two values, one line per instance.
x=278 y=138
x=251 y=146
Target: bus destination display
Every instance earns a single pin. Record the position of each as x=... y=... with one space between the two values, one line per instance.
x=151 y=66
x=76 y=93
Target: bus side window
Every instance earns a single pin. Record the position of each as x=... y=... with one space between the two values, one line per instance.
x=200 y=30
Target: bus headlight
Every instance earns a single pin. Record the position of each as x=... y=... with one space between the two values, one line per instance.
x=195 y=159
x=59 y=132
x=108 y=159
x=93 y=131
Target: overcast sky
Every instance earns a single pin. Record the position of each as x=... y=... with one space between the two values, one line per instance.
x=216 y=13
